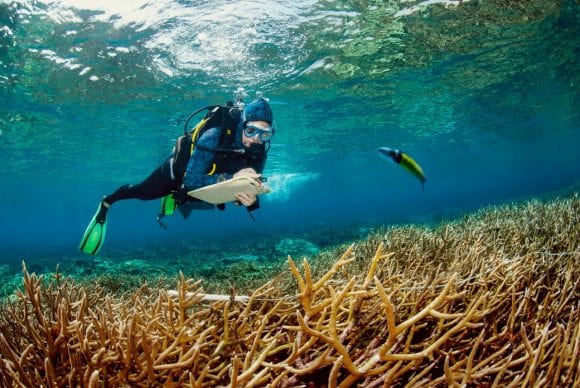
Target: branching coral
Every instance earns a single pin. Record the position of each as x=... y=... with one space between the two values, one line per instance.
x=493 y=300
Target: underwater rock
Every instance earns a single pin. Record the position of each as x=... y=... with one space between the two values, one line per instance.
x=242 y=257
x=5 y=270
x=136 y=267
x=11 y=280
x=297 y=247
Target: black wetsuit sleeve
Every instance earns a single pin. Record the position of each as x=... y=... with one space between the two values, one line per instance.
x=258 y=165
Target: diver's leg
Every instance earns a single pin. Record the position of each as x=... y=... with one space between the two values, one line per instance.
x=156 y=185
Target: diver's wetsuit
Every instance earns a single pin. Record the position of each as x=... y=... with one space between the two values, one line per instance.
x=157 y=185
x=166 y=180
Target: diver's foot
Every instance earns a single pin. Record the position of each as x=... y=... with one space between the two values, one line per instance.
x=95 y=233
x=101 y=215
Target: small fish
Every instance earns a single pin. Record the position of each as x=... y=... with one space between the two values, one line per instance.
x=405 y=161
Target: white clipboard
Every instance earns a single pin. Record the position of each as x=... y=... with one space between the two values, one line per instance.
x=226 y=191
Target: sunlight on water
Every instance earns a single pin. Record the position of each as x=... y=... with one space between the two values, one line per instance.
x=424 y=4
x=221 y=40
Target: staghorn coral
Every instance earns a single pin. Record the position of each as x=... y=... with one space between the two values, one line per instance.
x=492 y=299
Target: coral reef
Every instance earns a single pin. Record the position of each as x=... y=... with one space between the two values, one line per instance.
x=297 y=247
x=492 y=299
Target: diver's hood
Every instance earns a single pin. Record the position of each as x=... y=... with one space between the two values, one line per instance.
x=257 y=110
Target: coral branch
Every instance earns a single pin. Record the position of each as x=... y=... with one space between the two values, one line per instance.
x=492 y=299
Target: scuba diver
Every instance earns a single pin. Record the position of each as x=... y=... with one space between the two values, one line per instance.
x=227 y=143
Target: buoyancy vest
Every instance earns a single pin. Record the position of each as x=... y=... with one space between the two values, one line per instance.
x=225 y=117
x=228 y=158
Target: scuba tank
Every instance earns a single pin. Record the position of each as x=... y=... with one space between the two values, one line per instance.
x=224 y=116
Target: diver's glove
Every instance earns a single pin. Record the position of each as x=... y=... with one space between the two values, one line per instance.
x=181 y=196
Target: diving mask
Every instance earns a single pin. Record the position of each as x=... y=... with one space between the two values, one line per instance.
x=264 y=134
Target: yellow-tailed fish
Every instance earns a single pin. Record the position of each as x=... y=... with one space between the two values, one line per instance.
x=407 y=162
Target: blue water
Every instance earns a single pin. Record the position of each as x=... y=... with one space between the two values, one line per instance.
x=484 y=95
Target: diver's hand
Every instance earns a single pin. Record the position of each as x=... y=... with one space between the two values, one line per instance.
x=181 y=196
x=246 y=199
x=249 y=172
